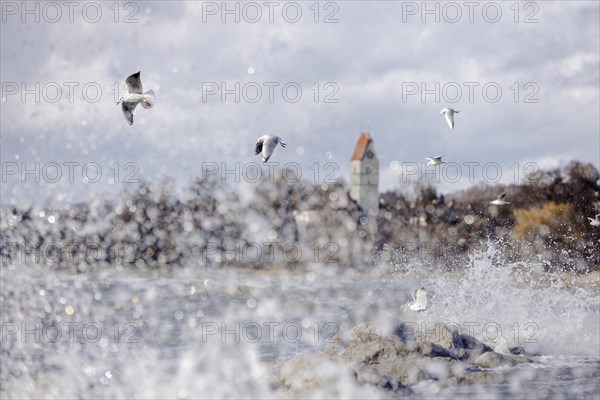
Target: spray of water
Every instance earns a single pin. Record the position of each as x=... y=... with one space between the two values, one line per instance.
x=553 y=314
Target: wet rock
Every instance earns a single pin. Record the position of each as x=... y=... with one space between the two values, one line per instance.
x=491 y=359
x=363 y=352
x=442 y=335
x=520 y=351
x=405 y=332
x=317 y=376
x=303 y=375
x=408 y=369
x=429 y=349
x=472 y=348
x=364 y=333
x=399 y=363
x=472 y=343
x=377 y=379
x=404 y=363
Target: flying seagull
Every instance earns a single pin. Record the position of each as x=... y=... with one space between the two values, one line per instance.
x=420 y=302
x=596 y=221
x=500 y=200
x=134 y=96
x=266 y=144
x=435 y=160
x=449 y=113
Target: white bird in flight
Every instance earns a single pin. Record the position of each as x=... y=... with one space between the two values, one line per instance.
x=500 y=200
x=266 y=144
x=449 y=114
x=134 y=97
x=595 y=221
x=435 y=160
x=420 y=302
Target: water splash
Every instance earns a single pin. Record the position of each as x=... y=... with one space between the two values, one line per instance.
x=554 y=314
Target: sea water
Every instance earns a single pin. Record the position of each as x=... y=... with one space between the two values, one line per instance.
x=200 y=333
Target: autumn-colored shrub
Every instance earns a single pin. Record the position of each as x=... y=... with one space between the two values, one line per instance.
x=549 y=222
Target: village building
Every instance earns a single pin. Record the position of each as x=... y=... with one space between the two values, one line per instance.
x=364 y=179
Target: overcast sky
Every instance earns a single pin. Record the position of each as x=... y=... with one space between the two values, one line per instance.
x=525 y=77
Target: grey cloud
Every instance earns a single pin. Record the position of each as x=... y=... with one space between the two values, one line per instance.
x=368 y=54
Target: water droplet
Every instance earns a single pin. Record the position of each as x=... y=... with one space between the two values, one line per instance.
x=251 y=303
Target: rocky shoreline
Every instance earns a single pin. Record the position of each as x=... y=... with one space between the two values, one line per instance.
x=400 y=363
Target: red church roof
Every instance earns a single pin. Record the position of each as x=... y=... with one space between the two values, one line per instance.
x=361 y=146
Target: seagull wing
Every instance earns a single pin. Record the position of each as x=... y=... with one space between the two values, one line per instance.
x=128 y=108
x=502 y=196
x=450 y=119
x=134 y=83
x=414 y=305
x=281 y=142
x=259 y=146
x=268 y=148
x=422 y=299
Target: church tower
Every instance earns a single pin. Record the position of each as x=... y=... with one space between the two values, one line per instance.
x=364 y=178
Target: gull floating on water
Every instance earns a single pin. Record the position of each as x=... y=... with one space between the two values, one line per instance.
x=267 y=144
x=134 y=97
x=595 y=221
x=500 y=200
x=420 y=302
x=435 y=160
x=449 y=114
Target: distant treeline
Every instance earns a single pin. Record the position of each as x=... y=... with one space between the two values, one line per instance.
x=278 y=224
x=546 y=221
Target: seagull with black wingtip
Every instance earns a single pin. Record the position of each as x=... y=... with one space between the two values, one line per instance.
x=135 y=96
